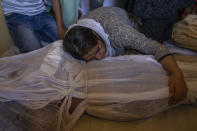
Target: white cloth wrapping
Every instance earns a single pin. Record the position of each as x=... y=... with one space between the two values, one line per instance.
x=116 y=88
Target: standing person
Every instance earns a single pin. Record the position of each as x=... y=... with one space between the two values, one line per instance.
x=190 y=10
x=107 y=3
x=158 y=16
x=107 y=31
x=66 y=13
x=70 y=9
x=96 y=4
x=30 y=25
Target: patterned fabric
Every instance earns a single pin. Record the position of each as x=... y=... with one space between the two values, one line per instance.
x=122 y=35
x=158 y=16
x=25 y=7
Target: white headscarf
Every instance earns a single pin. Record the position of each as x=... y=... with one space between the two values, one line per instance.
x=95 y=26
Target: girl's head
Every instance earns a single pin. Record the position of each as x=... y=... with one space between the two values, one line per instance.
x=83 y=43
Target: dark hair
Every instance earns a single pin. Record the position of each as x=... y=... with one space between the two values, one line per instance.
x=79 y=40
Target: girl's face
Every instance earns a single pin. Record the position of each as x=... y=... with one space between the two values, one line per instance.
x=96 y=53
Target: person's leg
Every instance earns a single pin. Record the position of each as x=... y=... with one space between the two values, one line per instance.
x=84 y=6
x=159 y=30
x=69 y=11
x=22 y=32
x=122 y=3
x=95 y=4
x=109 y=3
x=47 y=27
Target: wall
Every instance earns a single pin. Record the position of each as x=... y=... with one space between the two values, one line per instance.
x=5 y=39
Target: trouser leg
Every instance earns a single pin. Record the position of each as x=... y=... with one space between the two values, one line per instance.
x=23 y=33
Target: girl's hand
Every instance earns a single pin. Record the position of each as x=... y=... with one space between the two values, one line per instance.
x=177 y=89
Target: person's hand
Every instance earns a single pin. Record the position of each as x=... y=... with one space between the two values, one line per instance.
x=61 y=31
x=177 y=89
x=177 y=85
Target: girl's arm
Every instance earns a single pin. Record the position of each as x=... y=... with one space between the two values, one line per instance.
x=177 y=85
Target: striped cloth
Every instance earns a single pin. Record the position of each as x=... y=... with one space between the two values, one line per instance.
x=26 y=7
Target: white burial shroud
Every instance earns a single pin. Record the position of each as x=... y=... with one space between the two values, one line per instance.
x=117 y=88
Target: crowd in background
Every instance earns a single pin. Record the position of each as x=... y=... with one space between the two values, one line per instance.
x=32 y=27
